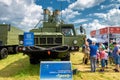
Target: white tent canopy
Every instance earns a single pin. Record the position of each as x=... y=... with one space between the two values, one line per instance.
x=99 y=40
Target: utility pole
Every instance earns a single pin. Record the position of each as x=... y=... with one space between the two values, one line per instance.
x=108 y=31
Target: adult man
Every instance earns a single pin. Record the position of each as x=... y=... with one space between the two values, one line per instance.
x=93 y=54
x=116 y=56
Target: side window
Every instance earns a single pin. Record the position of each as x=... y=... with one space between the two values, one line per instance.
x=36 y=40
x=67 y=31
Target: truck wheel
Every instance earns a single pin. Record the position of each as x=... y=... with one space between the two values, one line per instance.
x=66 y=58
x=34 y=61
x=3 y=53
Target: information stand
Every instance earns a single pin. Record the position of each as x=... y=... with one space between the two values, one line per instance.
x=28 y=39
x=55 y=70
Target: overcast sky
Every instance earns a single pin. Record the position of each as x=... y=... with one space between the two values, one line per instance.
x=92 y=14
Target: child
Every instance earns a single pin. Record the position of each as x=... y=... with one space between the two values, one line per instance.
x=106 y=59
x=98 y=58
x=102 y=59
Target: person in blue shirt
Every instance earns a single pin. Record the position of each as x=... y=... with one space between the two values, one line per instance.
x=116 y=56
x=93 y=55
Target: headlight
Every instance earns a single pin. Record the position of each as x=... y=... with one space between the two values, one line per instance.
x=72 y=48
x=75 y=41
x=24 y=48
x=21 y=42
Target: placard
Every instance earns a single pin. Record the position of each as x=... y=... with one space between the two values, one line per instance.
x=55 y=70
x=28 y=39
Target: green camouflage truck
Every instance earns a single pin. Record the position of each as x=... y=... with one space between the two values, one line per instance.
x=8 y=40
x=53 y=40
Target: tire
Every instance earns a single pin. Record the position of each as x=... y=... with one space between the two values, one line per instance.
x=3 y=53
x=33 y=61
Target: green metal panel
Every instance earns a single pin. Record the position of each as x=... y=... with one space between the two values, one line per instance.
x=9 y=35
x=48 y=39
x=69 y=40
x=49 y=25
x=13 y=38
x=3 y=33
x=36 y=30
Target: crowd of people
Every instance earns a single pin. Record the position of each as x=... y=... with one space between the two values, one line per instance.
x=100 y=54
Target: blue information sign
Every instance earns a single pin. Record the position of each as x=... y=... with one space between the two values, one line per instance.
x=55 y=70
x=28 y=39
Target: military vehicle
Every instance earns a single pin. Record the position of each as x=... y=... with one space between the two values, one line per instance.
x=53 y=40
x=8 y=40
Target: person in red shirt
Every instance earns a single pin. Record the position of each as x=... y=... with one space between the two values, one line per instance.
x=102 y=59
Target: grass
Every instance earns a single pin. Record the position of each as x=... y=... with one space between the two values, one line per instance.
x=17 y=67
x=85 y=74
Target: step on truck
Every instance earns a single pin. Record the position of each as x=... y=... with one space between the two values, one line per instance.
x=53 y=39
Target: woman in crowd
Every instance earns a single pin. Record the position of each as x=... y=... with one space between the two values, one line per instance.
x=102 y=59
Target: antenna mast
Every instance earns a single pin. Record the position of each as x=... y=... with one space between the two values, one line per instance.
x=61 y=10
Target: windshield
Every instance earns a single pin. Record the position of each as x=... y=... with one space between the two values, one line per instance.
x=67 y=31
